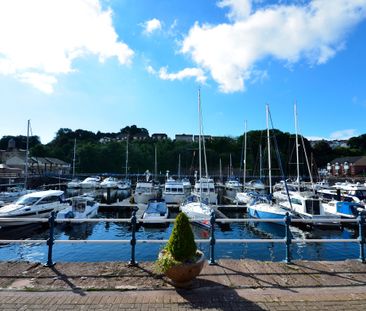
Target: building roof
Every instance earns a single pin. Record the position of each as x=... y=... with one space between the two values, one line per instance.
x=57 y=161
x=359 y=160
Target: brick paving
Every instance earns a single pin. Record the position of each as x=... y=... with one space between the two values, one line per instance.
x=229 y=285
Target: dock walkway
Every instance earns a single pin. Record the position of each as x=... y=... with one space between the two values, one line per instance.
x=229 y=285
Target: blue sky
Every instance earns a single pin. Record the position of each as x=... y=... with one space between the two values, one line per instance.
x=103 y=65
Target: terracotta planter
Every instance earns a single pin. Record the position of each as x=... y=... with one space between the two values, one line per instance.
x=183 y=274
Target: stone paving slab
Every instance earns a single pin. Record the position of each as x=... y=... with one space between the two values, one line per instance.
x=229 y=285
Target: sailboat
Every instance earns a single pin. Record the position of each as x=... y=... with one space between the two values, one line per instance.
x=125 y=184
x=247 y=194
x=264 y=207
x=74 y=183
x=305 y=204
x=197 y=207
x=232 y=185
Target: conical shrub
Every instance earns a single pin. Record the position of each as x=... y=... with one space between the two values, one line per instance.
x=181 y=244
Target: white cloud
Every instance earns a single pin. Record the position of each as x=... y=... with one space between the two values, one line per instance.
x=238 y=9
x=180 y=75
x=183 y=74
x=151 y=70
x=151 y=26
x=40 y=81
x=314 y=31
x=343 y=134
x=40 y=39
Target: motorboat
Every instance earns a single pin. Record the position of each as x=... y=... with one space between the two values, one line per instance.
x=124 y=184
x=38 y=204
x=255 y=185
x=13 y=193
x=90 y=182
x=197 y=211
x=109 y=182
x=175 y=191
x=346 y=210
x=155 y=213
x=232 y=186
x=144 y=192
x=344 y=192
x=306 y=205
x=245 y=197
x=81 y=207
x=73 y=184
x=205 y=187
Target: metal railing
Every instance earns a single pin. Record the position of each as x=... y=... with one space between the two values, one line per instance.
x=212 y=241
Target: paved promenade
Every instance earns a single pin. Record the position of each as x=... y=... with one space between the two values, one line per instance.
x=229 y=285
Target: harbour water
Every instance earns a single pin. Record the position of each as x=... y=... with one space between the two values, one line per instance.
x=148 y=252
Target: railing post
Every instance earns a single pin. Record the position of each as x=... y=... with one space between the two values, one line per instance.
x=288 y=237
x=361 y=237
x=133 y=239
x=212 y=239
x=50 y=240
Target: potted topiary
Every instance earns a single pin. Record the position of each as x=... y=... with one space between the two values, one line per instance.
x=180 y=260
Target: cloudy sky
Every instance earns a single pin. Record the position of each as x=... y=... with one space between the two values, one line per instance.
x=101 y=65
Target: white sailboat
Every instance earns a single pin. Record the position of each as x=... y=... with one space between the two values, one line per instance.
x=74 y=183
x=246 y=195
x=232 y=185
x=267 y=209
x=305 y=205
x=194 y=207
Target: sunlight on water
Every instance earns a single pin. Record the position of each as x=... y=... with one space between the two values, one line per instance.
x=148 y=252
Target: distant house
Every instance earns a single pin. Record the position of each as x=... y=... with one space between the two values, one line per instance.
x=159 y=136
x=332 y=143
x=137 y=136
x=347 y=166
x=58 y=166
x=184 y=137
x=206 y=137
x=11 y=151
x=9 y=172
x=39 y=165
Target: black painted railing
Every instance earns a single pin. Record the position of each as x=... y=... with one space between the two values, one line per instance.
x=287 y=240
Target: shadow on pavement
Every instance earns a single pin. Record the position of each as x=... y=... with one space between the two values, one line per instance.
x=75 y=289
x=205 y=294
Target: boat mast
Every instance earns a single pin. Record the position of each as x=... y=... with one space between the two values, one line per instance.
x=126 y=169
x=199 y=142
x=245 y=155
x=156 y=164
x=26 y=158
x=297 y=149
x=269 y=151
x=220 y=168
x=179 y=167
x=230 y=168
x=260 y=161
x=74 y=160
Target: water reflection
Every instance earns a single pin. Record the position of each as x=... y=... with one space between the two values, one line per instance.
x=148 y=252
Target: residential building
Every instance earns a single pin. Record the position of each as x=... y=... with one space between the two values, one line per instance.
x=347 y=166
x=184 y=137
